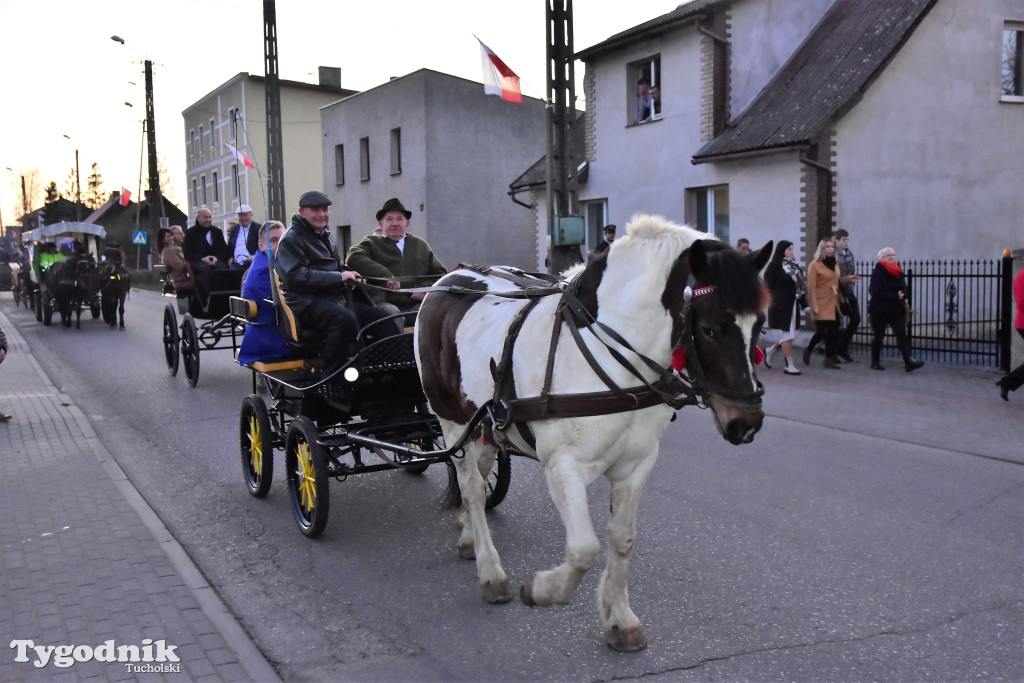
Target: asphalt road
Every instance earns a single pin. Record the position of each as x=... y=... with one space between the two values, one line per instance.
x=872 y=531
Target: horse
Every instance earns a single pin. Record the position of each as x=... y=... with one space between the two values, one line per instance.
x=72 y=283
x=483 y=341
x=115 y=283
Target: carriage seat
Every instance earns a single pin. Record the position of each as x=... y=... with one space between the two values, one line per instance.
x=301 y=338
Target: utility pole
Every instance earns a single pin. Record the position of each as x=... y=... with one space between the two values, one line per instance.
x=156 y=208
x=565 y=232
x=275 y=148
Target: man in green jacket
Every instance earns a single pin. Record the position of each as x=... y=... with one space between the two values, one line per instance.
x=397 y=257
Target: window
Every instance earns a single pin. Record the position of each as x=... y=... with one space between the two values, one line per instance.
x=1013 y=62
x=213 y=135
x=643 y=84
x=232 y=131
x=234 y=181
x=195 y=194
x=216 y=189
x=364 y=158
x=344 y=238
x=339 y=164
x=192 y=143
x=396 y=151
x=201 y=142
x=707 y=209
x=202 y=187
x=597 y=217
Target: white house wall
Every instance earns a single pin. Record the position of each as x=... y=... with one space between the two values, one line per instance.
x=930 y=161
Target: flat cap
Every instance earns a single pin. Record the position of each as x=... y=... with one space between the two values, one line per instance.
x=314 y=198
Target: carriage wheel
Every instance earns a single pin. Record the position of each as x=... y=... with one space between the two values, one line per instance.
x=498 y=480
x=305 y=461
x=171 y=339
x=190 y=349
x=257 y=446
x=46 y=316
x=422 y=445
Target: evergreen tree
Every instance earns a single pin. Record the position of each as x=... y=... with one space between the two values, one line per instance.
x=51 y=193
x=94 y=194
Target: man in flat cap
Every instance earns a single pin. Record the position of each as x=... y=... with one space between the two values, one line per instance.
x=609 y=237
x=313 y=282
x=397 y=257
x=243 y=239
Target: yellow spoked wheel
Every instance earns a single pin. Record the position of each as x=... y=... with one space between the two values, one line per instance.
x=256 y=442
x=306 y=465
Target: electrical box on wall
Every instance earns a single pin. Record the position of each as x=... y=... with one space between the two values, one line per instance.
x=568 y=231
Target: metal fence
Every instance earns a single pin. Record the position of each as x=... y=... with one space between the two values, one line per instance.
x=961 y=311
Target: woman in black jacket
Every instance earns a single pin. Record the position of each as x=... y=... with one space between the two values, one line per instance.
x=888 y=308
x=785 y=281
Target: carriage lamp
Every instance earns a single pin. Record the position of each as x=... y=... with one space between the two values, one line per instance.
x=351 y=374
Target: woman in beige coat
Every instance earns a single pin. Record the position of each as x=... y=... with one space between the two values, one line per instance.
x=823 y=299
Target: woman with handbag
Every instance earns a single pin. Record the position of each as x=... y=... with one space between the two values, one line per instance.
x=823 y=299
x=888 y=307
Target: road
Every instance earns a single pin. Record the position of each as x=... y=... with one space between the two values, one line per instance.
x=873 y=531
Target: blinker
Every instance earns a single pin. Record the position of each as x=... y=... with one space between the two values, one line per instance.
x=758 y=355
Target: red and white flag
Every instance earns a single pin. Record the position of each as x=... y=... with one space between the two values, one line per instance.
x=126 y=196
x=498 y=78
x=240 y=156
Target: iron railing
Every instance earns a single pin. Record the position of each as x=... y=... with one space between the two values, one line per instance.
x=961 y=311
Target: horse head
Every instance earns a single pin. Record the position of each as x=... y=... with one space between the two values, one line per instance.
x=718 y=299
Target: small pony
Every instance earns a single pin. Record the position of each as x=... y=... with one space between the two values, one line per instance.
x=482 y=340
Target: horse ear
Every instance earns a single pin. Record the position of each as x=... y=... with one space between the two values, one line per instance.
x=698 y=258
x=762 y=255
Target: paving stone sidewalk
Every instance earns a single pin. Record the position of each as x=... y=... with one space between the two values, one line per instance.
x=84 y=560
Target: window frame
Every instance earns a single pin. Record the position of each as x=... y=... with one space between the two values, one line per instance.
x=650 y=68
x=364 y=159
x=339 y=165
x=202 y=188
x=702 y=205
x=1011 y=62
x=216 y=189
x=396 y=151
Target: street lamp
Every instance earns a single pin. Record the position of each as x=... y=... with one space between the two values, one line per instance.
x=156 y=205
x=78 y=184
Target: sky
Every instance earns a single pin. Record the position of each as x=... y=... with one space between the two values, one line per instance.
x=66 y=82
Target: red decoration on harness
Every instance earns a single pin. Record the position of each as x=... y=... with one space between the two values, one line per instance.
x=679 y=359
x=758 y=355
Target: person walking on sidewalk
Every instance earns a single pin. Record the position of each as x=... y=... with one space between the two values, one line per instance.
x=849 y=307
x=823 y=297
x=785 y=280
x=888 y=307
x=4 y=417
x=1015 y=379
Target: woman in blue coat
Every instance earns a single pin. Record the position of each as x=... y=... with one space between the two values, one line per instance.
x=262 y=340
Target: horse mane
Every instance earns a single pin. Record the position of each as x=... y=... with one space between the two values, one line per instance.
x=734 y=277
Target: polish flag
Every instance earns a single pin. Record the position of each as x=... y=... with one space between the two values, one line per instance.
x=240 y=156
x=126 y=196
x=498 y=78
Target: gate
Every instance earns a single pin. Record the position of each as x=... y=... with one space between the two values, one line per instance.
x=961 y=311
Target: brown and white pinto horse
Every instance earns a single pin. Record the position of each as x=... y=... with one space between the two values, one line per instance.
x=636 y=290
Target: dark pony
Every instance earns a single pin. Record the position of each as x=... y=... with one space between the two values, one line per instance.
x=115 y=284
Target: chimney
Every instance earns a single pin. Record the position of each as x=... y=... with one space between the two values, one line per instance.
x=330 y=77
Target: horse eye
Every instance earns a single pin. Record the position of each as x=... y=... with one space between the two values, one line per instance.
x=709 y=332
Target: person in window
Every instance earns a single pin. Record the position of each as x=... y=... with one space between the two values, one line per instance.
x=313 y=282
x=655 y=101
x=262 y=340
x=242 y=238
x=643 y=100
x=398 y=257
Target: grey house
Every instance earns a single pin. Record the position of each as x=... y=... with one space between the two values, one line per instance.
x=899 y=120
x=447 y=151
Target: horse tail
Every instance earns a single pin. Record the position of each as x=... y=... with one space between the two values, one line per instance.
x=452 y=497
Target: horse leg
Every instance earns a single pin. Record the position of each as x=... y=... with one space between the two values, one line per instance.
x=622 y=628
x=475 y=536
x=568 y=489
x=120 y=310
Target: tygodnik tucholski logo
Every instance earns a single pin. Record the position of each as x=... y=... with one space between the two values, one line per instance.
x=151 y=657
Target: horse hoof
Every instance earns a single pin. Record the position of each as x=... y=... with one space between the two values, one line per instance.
x=496 y=592
x=628 y=640
x=466 y=551
x=526 y=594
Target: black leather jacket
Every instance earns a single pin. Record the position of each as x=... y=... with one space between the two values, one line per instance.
x=308 y=266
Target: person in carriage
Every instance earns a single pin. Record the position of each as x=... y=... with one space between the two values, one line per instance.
x=313 y=282
x=179 y=272
x=262 y=340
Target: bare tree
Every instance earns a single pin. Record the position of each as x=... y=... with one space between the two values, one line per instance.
x=166 y=188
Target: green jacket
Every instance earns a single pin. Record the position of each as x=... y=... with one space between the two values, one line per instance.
x=377 y=256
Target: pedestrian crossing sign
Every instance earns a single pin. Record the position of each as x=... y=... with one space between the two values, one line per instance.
x=139 y=237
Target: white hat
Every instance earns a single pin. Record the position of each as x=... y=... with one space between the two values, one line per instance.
x=245 y=208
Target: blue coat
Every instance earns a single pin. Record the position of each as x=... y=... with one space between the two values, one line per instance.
x=262 y=340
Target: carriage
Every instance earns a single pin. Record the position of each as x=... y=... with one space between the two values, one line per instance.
x=206 y=324
x=83 y=290
x=369 y=416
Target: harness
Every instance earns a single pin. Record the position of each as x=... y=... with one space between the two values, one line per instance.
x=676 y=390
